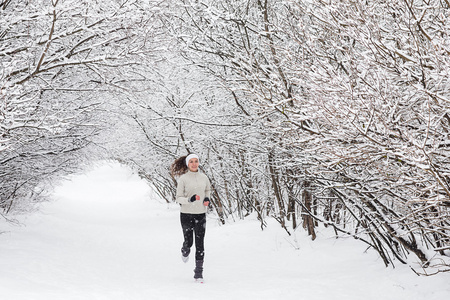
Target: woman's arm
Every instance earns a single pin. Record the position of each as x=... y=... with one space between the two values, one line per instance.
x=208 y=188
x=180 y=193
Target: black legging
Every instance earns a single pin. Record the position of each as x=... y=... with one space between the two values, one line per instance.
x=193 y=223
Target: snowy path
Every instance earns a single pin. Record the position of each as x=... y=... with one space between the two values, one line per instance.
x=108 y=237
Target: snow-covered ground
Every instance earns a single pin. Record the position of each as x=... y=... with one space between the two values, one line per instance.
x=107 y=236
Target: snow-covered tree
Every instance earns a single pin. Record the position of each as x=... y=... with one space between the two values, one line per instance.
x=59 y=61
x=350 y=101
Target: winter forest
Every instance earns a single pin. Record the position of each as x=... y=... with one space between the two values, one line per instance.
x=313 y=113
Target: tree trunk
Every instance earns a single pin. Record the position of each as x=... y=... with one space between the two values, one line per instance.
x=308 y=221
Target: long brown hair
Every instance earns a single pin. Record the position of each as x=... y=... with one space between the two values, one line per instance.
x=179 y=167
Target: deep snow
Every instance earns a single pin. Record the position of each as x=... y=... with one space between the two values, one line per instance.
x=105 y=235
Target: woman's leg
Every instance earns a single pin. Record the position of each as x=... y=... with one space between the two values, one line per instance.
x=200 y=229
x=187 y=224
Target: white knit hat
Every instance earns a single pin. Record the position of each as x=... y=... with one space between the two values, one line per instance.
x=188 y=158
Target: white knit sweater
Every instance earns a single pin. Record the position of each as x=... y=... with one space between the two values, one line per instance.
x=189 y=184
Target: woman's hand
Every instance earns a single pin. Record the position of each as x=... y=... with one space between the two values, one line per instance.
x=206 y=201
x=194 y=198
